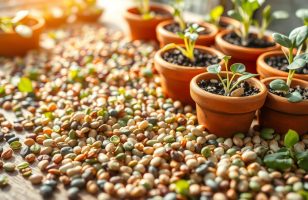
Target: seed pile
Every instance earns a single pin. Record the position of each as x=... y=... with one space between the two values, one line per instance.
x=97 y=120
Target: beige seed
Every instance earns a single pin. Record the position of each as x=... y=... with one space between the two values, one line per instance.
x=36 y=179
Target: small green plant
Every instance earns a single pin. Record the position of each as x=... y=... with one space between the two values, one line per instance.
x=190 y=37
x=214 y=16
x=244 y=12
x=178 y=6
x=295 y=41
x=285 y=157
x=144 y=9
x=267 y=18
x=303 y=15
x=11 y=24
x=237 y=69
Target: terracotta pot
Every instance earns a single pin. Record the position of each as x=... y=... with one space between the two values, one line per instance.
x=89 y=16
x=280 y=114
x=225 y=116
x=230 y=22
x=266 y=71
x=175 y=79
x=141 y=29
x=13 y=44
x=55 y=21
x=166 y=37
x=245 y=55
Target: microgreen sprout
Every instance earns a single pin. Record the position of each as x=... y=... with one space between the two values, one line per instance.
x=267 y=18
x=237 y=69
x=285 y=157
x=9 y=24
x=244 y=12
x=190 y=37
x=303 y=15
x=214 y=16
x=144 y=9
x=178 y=6
x=296 y=39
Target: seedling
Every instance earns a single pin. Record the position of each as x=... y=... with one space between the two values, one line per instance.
x=244 y=12
x=144 y=9
x=214 y=16
x=178 y=6
x=236 y=69
x=285 y=157
x=190 y=37
x=303 y=15
x=267 y=18
x=295 y=41
x=9 y=24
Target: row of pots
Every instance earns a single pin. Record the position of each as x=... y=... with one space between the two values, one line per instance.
x=222 y=115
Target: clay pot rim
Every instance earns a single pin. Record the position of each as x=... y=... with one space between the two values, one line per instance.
x=262 y=64
x=39 y=24
x=99 y=12
x=158 y=58
x=283 y=99
x=219 y=40
x=161 y=28
x=229 y=21
x=204 y=94
x=130 y=15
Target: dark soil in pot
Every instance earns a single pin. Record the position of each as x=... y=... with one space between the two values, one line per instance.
x=281 y=63
x=302 y=91
x=253 y=41
x=202 y=59
x=215 y=86
x=175 y=28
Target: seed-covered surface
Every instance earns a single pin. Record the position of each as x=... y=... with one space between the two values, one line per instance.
x=202 y=59
x=253 y=41
x=98 y=125
x=281 y=63
x=216 y=87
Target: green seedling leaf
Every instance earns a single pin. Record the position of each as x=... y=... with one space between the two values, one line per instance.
x=24 y=31
x=296 y=64
x=299 y=35
x=282 y=40
x=303 y=56
x=25 y=85
x=291 y=138
x=302 y=13
x=182 y=187
x=279 y=84
x=181 y=35
x=280 y=161
x=294 y=97
x=266 y=14
x=280 y=14
x=214 y=69
x=302 y=160
x=267 y=133
x=235 y=15
x=216 y=12
x=238 y=68
x=226 y=58
x=303 y=193
x=245 y=77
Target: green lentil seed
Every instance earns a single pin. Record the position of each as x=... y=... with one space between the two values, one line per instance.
x=4 y=181
x=16 y=145
x=206 y=151
x=22 y=165
x=9 y=167
x=115 y=139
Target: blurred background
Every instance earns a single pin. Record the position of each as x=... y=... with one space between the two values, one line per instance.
x=200 y=7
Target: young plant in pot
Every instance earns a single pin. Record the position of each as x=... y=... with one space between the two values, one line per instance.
x=221 y=22
x=88 y=11
x=54 y=16
x=178 y=64
x=22 y=31
x=227 y=101
x=143 y=19
x=167 y=30
x=286 y=106
x=243 y=45
x=276 y=63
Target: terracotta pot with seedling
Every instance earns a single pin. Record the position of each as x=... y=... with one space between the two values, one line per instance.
x=276 y=63
x=19 y=34
x=178 y=64
x=221 y=22
x=167 y=32
x=88 y=11
x=286 y=106
x=245 y=46
x=55 y=16
x=143 y=19
x=227 y=101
